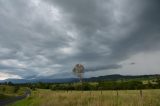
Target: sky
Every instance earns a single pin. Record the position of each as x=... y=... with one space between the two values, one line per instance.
x=46 y=38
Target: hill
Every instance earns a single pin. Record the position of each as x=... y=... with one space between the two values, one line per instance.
x=92 y=79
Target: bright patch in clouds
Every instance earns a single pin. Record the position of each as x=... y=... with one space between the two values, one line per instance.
x=12 y=63
x=148 y=62
x=66 y=50
x=4 y=76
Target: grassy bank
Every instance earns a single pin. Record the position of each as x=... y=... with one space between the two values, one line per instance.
x=10 y=91
x=92 y=98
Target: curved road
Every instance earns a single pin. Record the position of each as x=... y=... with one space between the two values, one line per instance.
x=12 y=100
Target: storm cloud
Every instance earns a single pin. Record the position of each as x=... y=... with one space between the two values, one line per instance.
x=107 y=67
x=44 y=38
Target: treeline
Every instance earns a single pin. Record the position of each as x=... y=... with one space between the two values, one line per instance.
x=103 y=85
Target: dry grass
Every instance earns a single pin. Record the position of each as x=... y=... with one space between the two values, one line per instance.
x=92 y=98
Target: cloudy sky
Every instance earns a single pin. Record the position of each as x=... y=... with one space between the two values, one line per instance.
x=46 y=38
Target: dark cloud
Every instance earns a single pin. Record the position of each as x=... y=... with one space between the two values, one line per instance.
x=132 y=63
x=47 y=38
x=106 y=67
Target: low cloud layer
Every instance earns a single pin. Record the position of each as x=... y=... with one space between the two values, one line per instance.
x=106 y=67
x=44 y=38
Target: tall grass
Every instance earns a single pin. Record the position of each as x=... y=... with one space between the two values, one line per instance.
x=92 y=98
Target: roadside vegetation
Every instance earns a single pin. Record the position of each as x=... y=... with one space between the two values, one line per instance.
x=9 y=91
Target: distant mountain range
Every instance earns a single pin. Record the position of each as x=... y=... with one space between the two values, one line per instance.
x=92 y=79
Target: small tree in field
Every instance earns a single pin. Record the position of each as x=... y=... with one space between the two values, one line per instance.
x=78 y=70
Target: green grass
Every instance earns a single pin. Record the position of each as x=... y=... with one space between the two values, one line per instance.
x=92 y=98
x=5 y=89
x=9 y=91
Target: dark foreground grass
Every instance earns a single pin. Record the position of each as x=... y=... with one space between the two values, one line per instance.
x=2 y=96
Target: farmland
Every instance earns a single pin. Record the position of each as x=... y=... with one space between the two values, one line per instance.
x=132 y=92
x=92 y=98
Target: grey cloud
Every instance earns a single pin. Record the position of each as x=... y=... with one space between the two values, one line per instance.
x=103 y=33
x=132 y=63
x=145 y=35
x=6 y=67
x=107 y=67
x=139 y=27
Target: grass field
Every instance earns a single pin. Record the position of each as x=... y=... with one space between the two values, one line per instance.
x=92 y=98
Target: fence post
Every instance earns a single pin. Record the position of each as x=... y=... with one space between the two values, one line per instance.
x=117 y=98
x=141 y=94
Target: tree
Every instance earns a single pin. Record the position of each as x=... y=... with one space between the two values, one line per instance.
x=10 y=83
x=16 y=88
x=78 y=70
